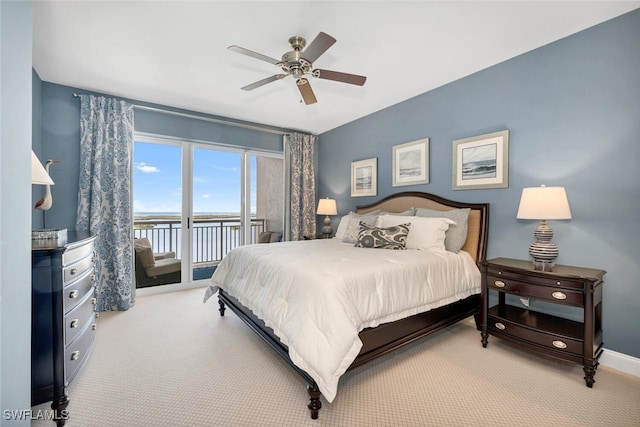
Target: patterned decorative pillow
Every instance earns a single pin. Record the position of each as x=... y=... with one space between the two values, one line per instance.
x=394 y=237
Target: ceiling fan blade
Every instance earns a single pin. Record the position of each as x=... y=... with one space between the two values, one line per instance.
x=337 y=76
x=318 y=46
x=306 y=91
x=264 y=82
x=253 y=54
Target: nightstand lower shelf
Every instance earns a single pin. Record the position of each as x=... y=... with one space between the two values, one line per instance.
x=550 y=335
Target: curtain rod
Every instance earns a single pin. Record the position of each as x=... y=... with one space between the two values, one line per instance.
x=208 y=119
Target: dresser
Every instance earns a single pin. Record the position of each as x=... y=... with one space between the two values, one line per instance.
x=578 y=341
x=63 y=316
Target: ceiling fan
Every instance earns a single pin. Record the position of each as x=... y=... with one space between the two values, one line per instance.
x=299 y=62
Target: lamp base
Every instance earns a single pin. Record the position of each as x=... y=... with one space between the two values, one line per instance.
x=543 y=265
x=327 y=229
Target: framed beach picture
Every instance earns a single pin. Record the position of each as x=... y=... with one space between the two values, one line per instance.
x=411 y=163
x=481 y=161
x=364 y=181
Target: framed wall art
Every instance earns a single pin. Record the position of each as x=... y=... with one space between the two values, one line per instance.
x=364 y=180
x=411 y=163
x=481 y=161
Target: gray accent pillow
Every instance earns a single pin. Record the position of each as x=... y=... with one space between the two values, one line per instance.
x=408 y=212
x=351 y=233
x=394 y=237
x=456 y=234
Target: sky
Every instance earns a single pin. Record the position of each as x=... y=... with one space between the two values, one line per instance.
x=157 y=179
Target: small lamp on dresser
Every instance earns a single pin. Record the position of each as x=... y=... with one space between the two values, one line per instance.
x=543 y=203
x=327 y=207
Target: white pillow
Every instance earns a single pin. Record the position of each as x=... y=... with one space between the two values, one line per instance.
x=425 y=233
x=342 y=227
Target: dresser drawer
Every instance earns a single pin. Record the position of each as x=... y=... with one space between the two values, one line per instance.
x=77 y=353
x=550 y=293
x=73 y=271
x=498 y=326
x=76 y=291
x=77 y=319
x=73 y=255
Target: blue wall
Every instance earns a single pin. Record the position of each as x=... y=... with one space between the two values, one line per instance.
x=60 y=132
x=573 y=112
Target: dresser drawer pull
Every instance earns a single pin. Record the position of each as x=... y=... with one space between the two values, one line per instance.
x=73 y=271
x=75 y=355
x=499 y=284
x=559 y=295
x=93 y=327
x=500 y=326
x=74 y=323
x=559 y=344
x=74 y=294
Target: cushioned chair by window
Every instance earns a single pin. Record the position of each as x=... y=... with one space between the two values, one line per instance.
x=155 y=268
x=269 y=237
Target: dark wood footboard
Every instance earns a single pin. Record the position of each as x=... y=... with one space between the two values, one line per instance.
x=376 y=341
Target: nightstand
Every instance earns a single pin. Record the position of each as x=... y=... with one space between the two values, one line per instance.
x=575 y=341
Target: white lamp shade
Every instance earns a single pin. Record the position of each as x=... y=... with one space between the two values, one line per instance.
x=327 y=207
x=544 y=203
x=38 y=174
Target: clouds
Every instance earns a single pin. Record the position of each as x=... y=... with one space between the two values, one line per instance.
x=145 y=168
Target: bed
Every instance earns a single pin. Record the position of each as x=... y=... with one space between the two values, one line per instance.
x=363 y=326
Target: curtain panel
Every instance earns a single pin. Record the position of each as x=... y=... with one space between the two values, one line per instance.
x=303 y=186
x=104 y=195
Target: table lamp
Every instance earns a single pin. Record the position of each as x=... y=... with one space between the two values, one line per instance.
x=38 y=174
x=327 y=207
x=543 y=203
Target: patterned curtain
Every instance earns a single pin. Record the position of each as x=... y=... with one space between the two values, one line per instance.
x=104 y=196
x=303 y=185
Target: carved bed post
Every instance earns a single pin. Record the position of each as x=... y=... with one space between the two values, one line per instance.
x=314 y=400
x=222 y=307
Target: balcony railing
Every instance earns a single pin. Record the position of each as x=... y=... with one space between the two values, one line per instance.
x=213 y=236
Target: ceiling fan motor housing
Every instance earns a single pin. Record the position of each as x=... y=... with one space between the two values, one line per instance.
x=294 y=63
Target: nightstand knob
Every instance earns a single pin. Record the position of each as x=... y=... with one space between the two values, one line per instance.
x=499 y=284
x=74 y=323
x=73 y=294
x=559 y=295
x=500 y=326
x=559 y=344
x=75 y=355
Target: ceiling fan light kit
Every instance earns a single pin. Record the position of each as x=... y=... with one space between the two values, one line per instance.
x=299 y=62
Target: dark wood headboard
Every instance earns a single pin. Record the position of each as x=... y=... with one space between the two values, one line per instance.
x=478 y=230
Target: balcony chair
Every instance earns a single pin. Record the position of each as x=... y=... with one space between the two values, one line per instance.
x=154 y=269
x=270 y=237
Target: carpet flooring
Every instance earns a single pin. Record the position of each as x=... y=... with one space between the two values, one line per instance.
x=171 y=360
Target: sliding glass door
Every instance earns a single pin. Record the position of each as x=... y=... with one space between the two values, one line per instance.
x=222 y=197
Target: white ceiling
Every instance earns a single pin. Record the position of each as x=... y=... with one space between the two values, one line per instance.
x=174 y=52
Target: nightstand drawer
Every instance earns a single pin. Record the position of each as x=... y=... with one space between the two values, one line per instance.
x=77 y=319
x=498 y=326
x=550 y=293
x=532 y=277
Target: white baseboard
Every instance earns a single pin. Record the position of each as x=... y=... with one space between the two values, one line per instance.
x=621 y=362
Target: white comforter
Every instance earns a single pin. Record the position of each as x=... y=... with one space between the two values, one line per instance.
x=318 y=295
